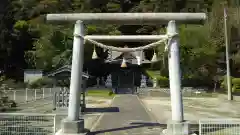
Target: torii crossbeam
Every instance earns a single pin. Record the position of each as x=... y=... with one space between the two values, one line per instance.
x=130 y=18
x=128 y=38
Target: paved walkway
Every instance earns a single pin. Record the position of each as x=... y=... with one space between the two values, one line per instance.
x=130 y=118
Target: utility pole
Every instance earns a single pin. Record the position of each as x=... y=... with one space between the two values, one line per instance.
x=229 y=82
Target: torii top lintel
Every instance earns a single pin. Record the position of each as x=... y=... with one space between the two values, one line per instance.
x=130 y=18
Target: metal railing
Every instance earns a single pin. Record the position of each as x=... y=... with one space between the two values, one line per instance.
x=47 y=124
x=61 y=99
x=27 y=95
x=219 y=127
x=27 y=124
x=186 y=91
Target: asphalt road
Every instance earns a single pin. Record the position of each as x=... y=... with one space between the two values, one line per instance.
x=126 y=116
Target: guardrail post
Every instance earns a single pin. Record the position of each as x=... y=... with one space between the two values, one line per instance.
x=62 y=97
x=84 y=87
x=58 y=98
x=43 y=93
x=200 y=127
x=26 y=94
x=35 y=94
x=54 y=124
x=54 y=100
x=68 y=99
x=14 y=95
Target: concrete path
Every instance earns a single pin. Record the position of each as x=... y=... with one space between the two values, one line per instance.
x=130 y=118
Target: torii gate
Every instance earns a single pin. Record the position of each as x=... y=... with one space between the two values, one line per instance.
x=72 y=124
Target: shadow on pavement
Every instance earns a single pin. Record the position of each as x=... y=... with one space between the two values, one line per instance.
x=133 y=125
x=99 y=110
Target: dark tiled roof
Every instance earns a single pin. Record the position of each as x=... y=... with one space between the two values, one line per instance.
x=65 y=68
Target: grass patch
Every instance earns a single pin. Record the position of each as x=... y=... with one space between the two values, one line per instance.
x=100 y=93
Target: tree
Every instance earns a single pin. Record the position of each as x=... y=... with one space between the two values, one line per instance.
x=47 y=46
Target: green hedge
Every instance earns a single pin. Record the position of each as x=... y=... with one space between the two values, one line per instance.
x=235 y=84
x=9 y=83
x=42 y=82
x=162 y=81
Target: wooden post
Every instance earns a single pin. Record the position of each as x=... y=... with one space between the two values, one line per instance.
x=54 y=100
x=43 y=91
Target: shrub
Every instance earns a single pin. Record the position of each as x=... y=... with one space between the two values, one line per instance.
x=162 y=81
x=150 y=73
x=235 y=84
x=110 y=93
x=63 y=83
x=9 y=83
x=5 y=104
x=224 y=82
x=12 y=104
x=42 y=82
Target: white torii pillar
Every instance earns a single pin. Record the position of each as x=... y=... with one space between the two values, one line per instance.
x=175 y=73
x=72 y=124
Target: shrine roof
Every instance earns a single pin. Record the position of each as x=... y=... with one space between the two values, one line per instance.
x=66 y=68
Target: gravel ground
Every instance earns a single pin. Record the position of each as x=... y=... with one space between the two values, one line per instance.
x=194 y=108
x=44 y=106
x=218 y=116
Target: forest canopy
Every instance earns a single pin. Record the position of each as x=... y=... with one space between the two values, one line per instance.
x=29 y=43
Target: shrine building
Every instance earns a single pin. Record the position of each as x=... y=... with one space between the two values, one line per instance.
x=126 y=70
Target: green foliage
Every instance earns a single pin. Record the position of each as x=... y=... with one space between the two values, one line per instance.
x=2 y=78
x=47 y=46
x=224 y=82
x=21 y=24
x=8 y=84
x=63 y=82
x=162 y=81
x=100 y=93
x=150 y=73
x=6 y=104
x=42 y=82
x=235 y=84
x=110 y=93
